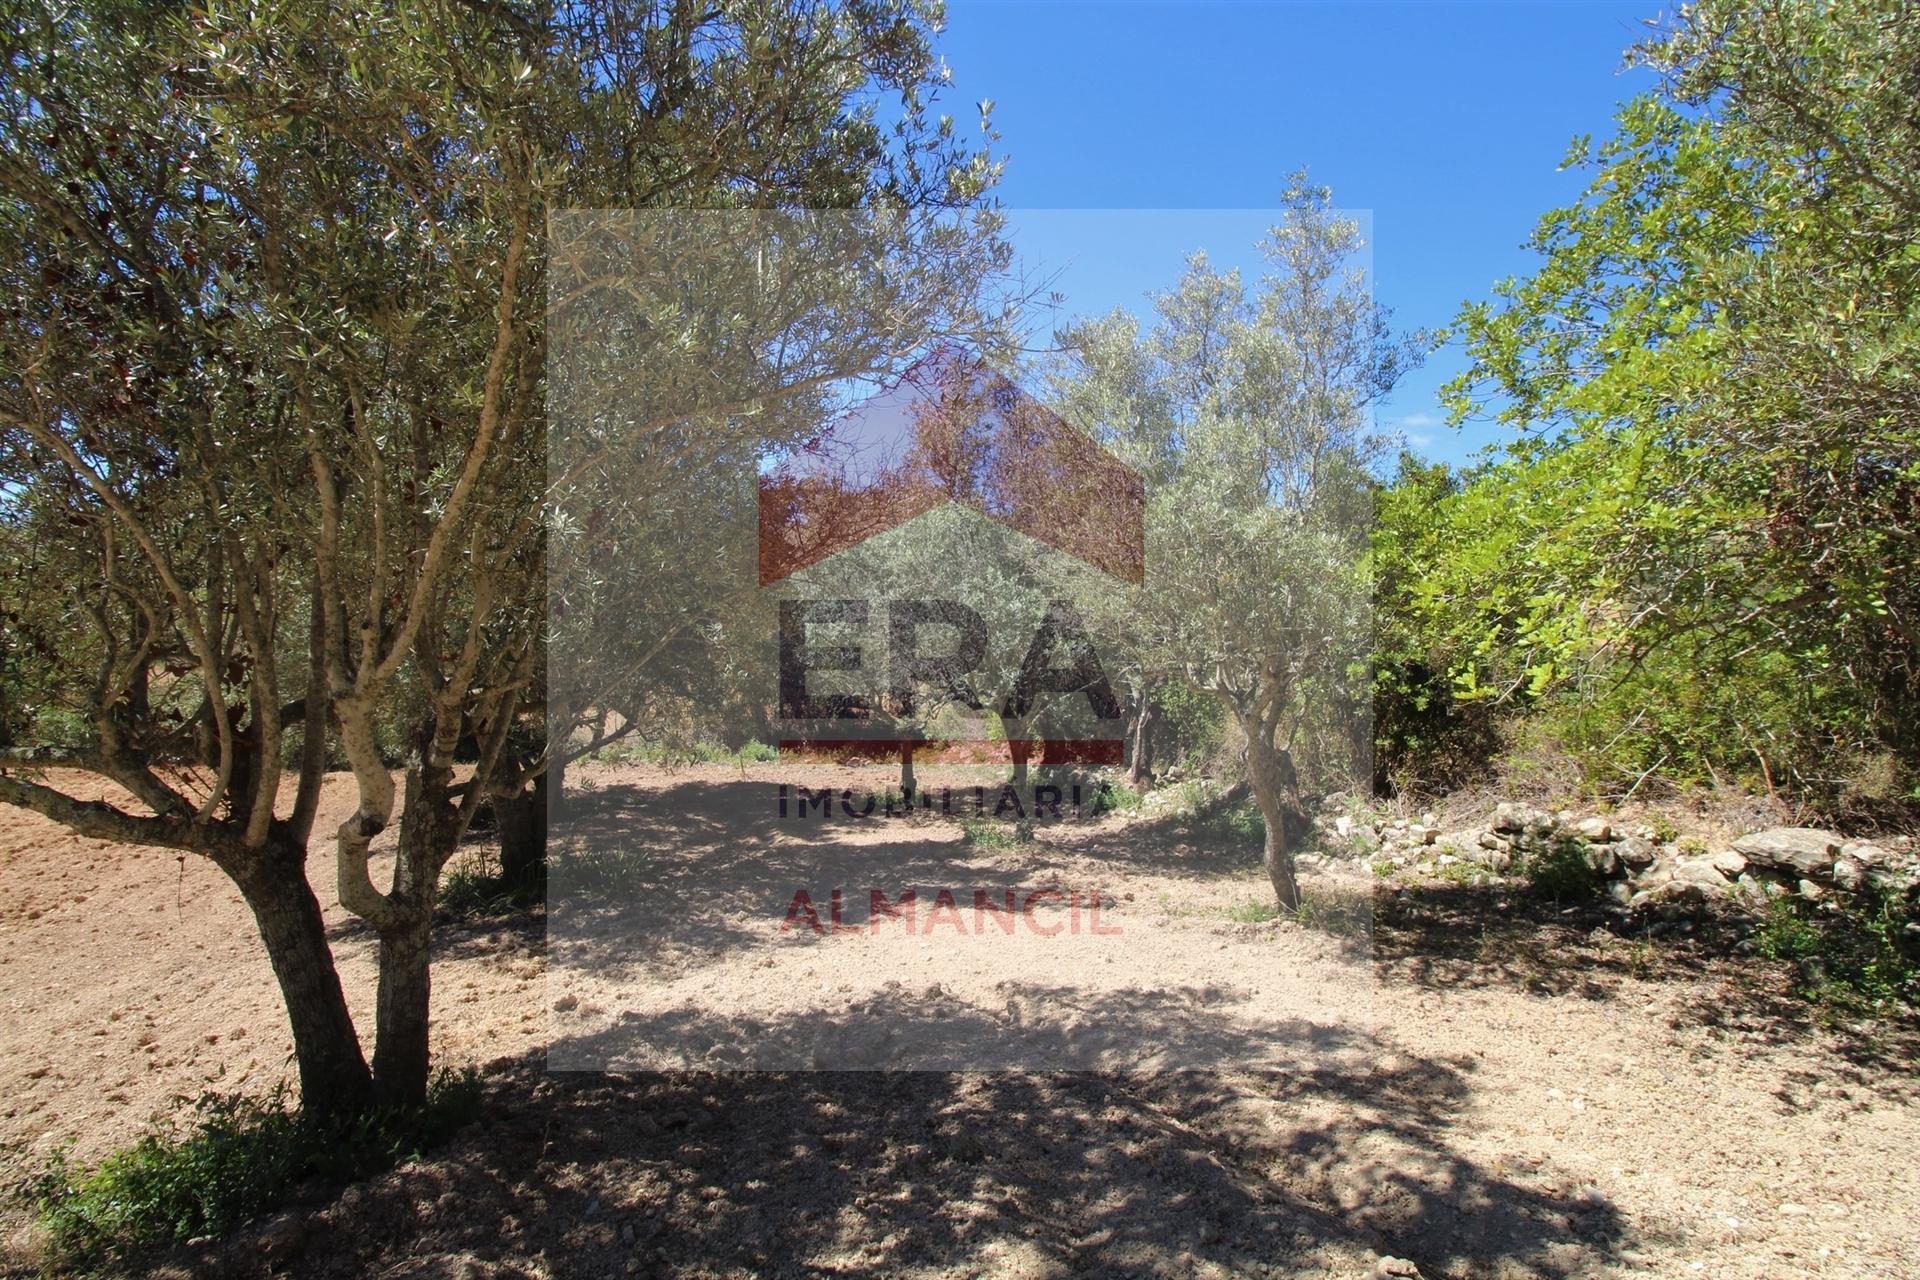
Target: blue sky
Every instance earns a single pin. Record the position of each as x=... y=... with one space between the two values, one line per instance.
x=1445 y=122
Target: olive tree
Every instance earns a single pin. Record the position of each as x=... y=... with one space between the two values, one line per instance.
x=1246 y=410
x=274 y=384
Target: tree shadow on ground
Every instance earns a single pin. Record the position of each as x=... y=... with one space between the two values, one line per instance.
x=713 y=866
x=873 y=1174
x=1447 y=936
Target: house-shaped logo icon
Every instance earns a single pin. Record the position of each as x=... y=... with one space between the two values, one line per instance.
x=951 y=429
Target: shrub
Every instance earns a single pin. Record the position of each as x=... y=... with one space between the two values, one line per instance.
x=1859 y=955
x=1562 y=871
x=238 y=1158
x=1221 y=821
x=1115 y=797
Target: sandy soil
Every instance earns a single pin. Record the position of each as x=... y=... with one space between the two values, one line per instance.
x=1482 y=1086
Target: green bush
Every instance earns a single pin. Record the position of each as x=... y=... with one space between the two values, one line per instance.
x=1115 y=797
x=1191 y=727
x=1562 y=871
x=237 y=1158
x=1856 y=955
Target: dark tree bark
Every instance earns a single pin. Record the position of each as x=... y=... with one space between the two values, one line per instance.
x=430 y=826
x=401 y=1013
x=1019 y=748
x=333 y=1072
x=522 y=820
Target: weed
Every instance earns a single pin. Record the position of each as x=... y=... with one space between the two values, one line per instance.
x=989 y=833
x=1858 y=956
x=1255 y=912
x=467 y=893
x=237 y=1158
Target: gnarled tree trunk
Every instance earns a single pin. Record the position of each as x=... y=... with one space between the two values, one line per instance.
x=1275 y=786
x=430 y=826
x=333 y=1071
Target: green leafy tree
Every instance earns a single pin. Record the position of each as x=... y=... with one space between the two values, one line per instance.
x=1715 y=363
x=1247 y=414
x=274 y=355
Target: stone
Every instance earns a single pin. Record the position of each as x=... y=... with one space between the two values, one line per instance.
x=1520 y=818
x=1343 y=827
x=1811 y=891
x=282 y=1236
x=1867 y=855
x=1621 y=892
x=1800 y=851
x=1670 y=892
x=1495 y=842
x=1595 y=830
x=1848 y=875
x=1728 y=863
x=1700 y=871
x=1603 y=860
x=1634 y=851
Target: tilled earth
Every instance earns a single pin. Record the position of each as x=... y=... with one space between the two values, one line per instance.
x=1519 y=1092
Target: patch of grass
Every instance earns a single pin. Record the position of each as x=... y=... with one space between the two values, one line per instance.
x=674 y=754
x=1255 y=912
x=233 y=1160
x=1345 y=915
x=594 y=872
x=1855 y=956
x=467 y=893
x=1237 y=825
x=1341 y=914
x=1383 y=867
x=990 y=833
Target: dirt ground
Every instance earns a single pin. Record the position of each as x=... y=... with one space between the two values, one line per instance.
x=1467 y=1083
